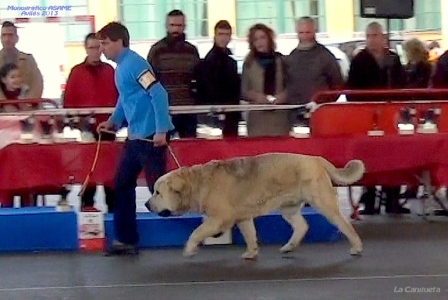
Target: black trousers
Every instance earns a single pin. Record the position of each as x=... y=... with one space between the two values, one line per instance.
x=136 y=155
x=185 y=125
x=230 y=126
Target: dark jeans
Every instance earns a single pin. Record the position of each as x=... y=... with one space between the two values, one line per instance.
x=185 y=125
x=230 y=126
x=136 y=155
x=89 y=193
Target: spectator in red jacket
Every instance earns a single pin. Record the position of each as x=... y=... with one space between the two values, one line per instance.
x=91 y=84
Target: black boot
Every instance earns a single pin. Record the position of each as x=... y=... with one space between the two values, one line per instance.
x=392 y=204
x=368 y=199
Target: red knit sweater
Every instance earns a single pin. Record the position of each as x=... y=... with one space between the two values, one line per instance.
x=90 y=86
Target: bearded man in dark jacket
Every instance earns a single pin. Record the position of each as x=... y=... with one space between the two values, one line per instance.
x=217 y=79
x=173 y=60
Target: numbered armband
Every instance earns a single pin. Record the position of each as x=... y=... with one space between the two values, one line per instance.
x=146 y=79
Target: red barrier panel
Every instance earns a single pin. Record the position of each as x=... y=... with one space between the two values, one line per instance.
x=357 y=118
x=383 y=95
x=352 y=119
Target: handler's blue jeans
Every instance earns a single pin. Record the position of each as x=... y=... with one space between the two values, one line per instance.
x=136 y=155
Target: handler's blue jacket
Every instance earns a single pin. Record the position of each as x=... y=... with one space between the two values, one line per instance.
x=142 y=101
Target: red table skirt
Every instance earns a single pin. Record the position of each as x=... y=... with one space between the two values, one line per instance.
x=389 y=160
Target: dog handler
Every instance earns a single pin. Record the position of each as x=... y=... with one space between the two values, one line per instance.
x=142 y=105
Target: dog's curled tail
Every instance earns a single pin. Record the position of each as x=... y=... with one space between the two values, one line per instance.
x=351 y=173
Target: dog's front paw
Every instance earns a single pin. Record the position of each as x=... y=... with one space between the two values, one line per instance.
x=356 y=251
x=250 y=255
x=289 y=247
x=190 y=251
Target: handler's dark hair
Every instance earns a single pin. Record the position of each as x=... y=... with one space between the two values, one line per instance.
x=114 y=31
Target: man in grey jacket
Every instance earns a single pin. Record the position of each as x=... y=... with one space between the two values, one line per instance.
x=311 y=67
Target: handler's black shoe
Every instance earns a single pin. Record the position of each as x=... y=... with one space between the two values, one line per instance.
x=121 y=249
x=440 y=212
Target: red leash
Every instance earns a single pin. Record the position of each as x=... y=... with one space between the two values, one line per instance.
x=95 y=160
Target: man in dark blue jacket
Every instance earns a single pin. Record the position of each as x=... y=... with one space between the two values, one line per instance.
x=217 y=79
x=143 y=105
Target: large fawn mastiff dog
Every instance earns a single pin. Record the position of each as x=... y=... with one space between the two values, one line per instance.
x=241 y=189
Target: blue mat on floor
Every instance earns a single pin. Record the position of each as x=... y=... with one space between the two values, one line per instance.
x=45 y=229
x=273 y=229
x=156 y=232
x=37 y=229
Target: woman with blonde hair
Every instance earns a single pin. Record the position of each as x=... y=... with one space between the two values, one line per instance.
x=418 y=69
x=263 y=83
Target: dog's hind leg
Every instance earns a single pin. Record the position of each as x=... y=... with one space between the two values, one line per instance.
x=249 y=233
x=293 y=216
x=210 y=227
x=325 y=201
x=347 y=229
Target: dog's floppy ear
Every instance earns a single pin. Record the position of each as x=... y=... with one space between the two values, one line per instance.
x=176 y=183
x=180 y=186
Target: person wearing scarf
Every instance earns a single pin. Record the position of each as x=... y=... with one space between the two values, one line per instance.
x=263 y=83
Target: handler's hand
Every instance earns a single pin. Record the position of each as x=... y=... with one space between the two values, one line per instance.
x=159 y=139
x=106 y=125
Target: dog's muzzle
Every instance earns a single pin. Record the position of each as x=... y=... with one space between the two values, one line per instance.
x=165 y=213
x=148 y=205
